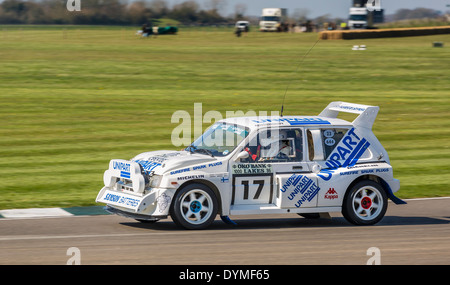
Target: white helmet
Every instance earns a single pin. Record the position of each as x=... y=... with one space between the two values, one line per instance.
x=276 y=136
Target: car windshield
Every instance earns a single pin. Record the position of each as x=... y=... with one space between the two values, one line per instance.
x=219 y=140
x=271 y=18
x=358 y=17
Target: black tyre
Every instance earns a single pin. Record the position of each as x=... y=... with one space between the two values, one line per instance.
x=194 y=207
x=365 y=203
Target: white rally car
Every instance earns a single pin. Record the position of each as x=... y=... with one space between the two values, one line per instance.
x=309 y=165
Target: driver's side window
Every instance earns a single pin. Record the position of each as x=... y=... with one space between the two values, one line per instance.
x=275 y=145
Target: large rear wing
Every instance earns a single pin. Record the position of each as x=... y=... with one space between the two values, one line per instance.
x=367 y=114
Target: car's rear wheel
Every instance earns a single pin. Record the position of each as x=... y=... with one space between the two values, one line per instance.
x=365 y=203
x=194 y=207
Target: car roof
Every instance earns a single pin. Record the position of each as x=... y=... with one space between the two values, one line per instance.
x=257 y=122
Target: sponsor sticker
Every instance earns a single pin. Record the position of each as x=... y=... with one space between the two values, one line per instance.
x=252 y=168
x=331 y=194
x=329 y=141
x=295 y=121
x=346 y=154
x=328 y=133
x=300 y=188
x=119 y=199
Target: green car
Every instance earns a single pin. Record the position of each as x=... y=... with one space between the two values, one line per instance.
x=168 y=30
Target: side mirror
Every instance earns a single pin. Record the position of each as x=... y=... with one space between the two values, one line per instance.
x=241 y=155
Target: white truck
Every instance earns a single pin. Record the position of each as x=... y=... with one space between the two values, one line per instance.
x=271 y=19
x=357 y=18
x=307 y=165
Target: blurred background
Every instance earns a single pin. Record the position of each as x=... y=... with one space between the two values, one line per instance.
x=79 y=88
x=214 y=12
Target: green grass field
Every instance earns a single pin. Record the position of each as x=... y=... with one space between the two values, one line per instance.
x=72 y=98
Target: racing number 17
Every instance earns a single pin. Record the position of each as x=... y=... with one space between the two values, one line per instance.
x=258 y=191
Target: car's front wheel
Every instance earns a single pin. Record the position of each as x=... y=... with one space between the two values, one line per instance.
x=365 y=203
x=194 y=207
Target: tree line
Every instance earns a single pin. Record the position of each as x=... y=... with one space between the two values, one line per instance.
x=108 y=12
x=129 y=12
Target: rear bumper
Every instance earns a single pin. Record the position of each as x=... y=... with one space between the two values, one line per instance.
x=395 y=185
x=268 y=29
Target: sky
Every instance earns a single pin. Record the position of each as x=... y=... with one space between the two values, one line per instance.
x=336 y=8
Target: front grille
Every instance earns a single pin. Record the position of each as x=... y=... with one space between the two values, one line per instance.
x=124 y=185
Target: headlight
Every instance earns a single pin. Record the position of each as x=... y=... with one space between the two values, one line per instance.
x=155 y=180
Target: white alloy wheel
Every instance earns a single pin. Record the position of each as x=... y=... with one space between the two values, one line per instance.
x=367 y=203
x=196 y=206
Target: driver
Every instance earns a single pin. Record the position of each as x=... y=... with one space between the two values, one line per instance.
x=277 y=146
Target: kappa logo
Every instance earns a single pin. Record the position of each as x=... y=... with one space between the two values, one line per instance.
x=331 y=194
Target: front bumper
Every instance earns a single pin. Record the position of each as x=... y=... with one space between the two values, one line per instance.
x=268 y=29
x=135 y=216
x=155 y=203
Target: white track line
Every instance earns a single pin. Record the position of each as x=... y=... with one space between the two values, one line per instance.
x=423 y=199
x=34 y=237
x=34 y=213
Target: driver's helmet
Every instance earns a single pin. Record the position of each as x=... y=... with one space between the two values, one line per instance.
x=271 y=146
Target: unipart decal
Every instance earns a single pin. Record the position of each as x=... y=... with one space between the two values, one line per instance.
x=122 y=166
x=300 y=188
x=148 y=165
x=347 y=153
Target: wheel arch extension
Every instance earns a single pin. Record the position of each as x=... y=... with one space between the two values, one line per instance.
x=380 y=181
x=211 y=185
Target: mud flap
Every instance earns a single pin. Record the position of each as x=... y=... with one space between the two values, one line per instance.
x=228 y=221
x=391 y=195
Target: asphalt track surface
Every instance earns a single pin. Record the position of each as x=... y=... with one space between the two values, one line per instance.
x=416 y=233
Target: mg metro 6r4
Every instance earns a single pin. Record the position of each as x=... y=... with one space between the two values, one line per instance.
x=308 y=165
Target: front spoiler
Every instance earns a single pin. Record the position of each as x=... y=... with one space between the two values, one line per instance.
x=135 y=216
x=155 y=203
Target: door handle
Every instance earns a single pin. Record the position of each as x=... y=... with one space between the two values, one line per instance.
x=297 y=167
